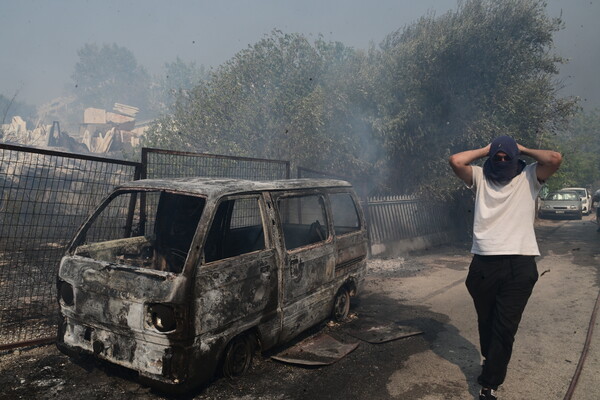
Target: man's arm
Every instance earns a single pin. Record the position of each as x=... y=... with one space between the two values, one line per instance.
x=548 y=161
x=461 y=163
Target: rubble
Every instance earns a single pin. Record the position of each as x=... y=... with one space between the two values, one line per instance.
x=104 y=131
x=41 y=136
x=101 y=132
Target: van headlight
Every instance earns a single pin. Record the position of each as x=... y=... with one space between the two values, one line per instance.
x=162 y=317
x=65 y=293
x=573 y=207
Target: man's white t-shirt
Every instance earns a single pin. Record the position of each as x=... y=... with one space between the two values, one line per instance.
x=504 y=214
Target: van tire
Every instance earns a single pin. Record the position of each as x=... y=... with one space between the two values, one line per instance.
x=341 y=305
x=237 y=357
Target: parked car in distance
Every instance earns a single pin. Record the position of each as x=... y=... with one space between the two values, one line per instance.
x=178 y=279
x=586 y=198
x=563 y=203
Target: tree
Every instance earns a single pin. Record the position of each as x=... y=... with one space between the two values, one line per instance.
x=107 y=75
x=179 y=77
x=283 y=98
x=457 y=81
x=10 y=107
x=580 y=145
x=393 y=113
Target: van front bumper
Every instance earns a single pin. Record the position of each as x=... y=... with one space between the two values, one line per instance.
x=164 y=363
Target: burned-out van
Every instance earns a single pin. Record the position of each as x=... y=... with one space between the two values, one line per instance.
x=178 y=279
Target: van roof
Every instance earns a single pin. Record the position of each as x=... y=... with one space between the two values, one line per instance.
x=223 y=186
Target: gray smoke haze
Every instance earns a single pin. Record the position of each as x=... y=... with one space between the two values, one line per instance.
x=39 y=39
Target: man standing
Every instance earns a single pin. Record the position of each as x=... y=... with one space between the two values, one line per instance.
x=596 y=204
x=503 y=270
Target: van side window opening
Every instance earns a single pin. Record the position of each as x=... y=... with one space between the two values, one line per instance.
x=236 y=229
x=303 y=219
x=345 y=216
x=152 y=230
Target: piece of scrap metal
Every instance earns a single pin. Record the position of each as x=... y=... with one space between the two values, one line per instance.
x=320 y=349
x=375 y=331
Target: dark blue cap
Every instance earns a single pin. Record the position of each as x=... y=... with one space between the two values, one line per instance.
x=505 y=144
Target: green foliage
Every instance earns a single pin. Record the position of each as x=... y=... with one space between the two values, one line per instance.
x=179 y=77
x=283 y=98
x=580 y=145
x=464 y=78
x=393 y=113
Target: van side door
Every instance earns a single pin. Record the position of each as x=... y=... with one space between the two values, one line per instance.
x=309 y=260
x=237 y=283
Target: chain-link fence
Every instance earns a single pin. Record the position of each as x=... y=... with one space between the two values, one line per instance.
x=176 y=164
x=44 y=197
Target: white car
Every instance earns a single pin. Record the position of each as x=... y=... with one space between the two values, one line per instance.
x=586 y=198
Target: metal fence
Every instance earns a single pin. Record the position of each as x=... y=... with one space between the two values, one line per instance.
x=394 y=218
x=44 y=197
x=175 y=164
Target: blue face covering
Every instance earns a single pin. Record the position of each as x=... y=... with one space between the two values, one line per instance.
x=503 y=171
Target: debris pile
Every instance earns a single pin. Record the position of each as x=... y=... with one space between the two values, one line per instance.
x=41 y=136
x=101 y=132
x=104 y=131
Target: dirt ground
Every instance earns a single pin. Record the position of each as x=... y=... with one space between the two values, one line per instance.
x=424 y=290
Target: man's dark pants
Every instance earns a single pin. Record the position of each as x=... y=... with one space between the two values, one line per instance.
x=500 y=287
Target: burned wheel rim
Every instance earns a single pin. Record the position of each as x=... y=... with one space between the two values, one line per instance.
x=341 y=305
x=238 y=356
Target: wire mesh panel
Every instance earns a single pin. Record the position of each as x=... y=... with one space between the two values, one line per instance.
x=174 y=164
x=44 y=197
x=311 y=173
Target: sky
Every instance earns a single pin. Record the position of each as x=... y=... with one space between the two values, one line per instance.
x=39 y=39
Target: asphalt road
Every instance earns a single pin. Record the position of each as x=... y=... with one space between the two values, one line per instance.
x=551 y=335
x=423 y=291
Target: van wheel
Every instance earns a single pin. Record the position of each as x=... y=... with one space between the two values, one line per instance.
x=341 y=305
x=238 y=356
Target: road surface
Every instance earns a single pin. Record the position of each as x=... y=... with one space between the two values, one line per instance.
x=424 y=291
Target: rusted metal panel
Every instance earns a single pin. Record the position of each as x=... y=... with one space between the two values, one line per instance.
x=373 y=330
x=317 y=350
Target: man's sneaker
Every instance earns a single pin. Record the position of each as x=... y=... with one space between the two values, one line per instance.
x=487 y=394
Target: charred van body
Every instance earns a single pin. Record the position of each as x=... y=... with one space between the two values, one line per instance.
x=179 y=278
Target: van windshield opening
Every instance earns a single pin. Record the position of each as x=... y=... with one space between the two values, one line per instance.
x=151 y=230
